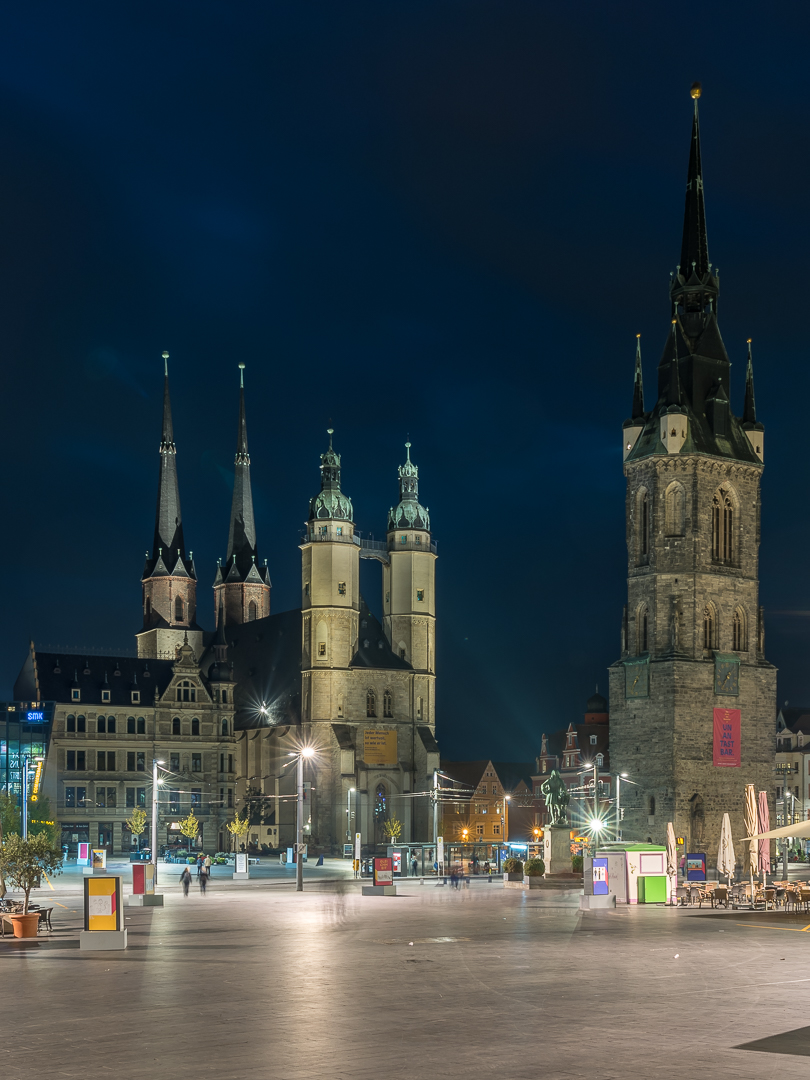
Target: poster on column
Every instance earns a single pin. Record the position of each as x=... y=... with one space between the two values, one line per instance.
x=726 y=737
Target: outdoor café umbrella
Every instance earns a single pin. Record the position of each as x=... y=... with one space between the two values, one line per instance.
x=726 y=859
x=764 y=825
x=672 y=858
x=751 y=827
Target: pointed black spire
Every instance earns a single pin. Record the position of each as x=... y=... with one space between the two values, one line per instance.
x=749 y=415
x=674 y=387
x=695 y=243
x=168 y=543
x=242 y=533
x=638 y=385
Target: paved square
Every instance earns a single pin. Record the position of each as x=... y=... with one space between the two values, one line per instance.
x=254 y=980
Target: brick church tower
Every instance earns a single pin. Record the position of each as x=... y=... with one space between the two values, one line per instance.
x=692 y=634
x=241 y=586
x=169 y=579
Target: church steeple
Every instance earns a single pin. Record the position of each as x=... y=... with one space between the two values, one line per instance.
x=330 y=503
x=409 y=513
x=695 y=242
x=169 y=579
x=241 y=584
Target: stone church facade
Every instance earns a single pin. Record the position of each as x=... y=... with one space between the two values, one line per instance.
x=692 y=630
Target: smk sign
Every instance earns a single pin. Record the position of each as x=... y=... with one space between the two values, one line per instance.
x=727 y=737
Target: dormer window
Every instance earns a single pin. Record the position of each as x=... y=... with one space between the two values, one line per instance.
x=600 y=760
x=105 y=695
x=75 y=695
x=593 y=740
x=136 y=697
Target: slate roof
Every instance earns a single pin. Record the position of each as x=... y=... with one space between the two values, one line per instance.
x=48 y=676
x=373 y=650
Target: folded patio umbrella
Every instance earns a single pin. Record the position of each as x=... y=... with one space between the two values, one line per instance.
x=751 y=826
x=726 y=859
x=764 y=825
x=672 y=858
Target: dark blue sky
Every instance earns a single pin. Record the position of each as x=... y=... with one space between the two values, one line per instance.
x=440 y=219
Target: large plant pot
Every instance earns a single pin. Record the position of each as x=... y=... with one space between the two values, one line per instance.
x=25 y=926
x=532 y=881
x=513 y=877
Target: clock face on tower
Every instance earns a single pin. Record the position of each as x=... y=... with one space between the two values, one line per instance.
x=637 y=679
x=726 y=675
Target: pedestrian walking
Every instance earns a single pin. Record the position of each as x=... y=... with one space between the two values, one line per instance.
x=413 y=866
x=185 y=880
x=203 y=880
x=199 y=866
x=207 y=863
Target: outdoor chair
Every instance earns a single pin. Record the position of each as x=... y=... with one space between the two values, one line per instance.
x=770 y=898
x=683 y=896
x=719 y=896
x=804 y=899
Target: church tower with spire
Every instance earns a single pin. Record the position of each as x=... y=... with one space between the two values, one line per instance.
x=409 y=602
x=241 y=585
x=169 y=579
x=692 y=699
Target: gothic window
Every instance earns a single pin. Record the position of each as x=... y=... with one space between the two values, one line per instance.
x=388 y=704
x=252 y=611
x=739 y=635
x=186 y=692
x=178 y=609
x=148 y=609
x=176 y=726
x=642 y=526
x=723 y=547
x=380 y=803
x=709 y=627
x=652 y=806
x=675 y=505
x=642 y=636
x=195 y=726
x=371 y=703
x=600 y=759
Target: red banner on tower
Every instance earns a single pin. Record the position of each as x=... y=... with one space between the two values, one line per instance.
x=727 y=737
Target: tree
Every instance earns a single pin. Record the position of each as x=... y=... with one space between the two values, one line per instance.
x=41 y=819
x=392 y=830
x=22 y=862
x=9 y=814
x=189 y=827
x=136 y=823
x=238 y=828
x=258 y=808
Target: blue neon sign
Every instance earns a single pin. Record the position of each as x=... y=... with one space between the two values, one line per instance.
x=35 y=716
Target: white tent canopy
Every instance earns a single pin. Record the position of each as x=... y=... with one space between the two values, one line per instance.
x=801 y=828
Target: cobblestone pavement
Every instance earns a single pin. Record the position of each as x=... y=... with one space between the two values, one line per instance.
x=261 y=982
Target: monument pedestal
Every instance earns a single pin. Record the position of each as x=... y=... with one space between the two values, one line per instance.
x=557 y=850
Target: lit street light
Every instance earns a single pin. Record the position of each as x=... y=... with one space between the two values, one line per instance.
x=155 y=763
x=304 y=752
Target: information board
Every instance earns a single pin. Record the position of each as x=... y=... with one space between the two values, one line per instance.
x=379 y=747
x=600 y=877
x=383 y=872
x=102 y=903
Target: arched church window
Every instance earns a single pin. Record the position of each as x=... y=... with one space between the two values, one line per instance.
x=709 y=627
x=148 y=609
x=739 y=635
x=642 y=525
x=380 y=803
x=195 y=726
x=176 y=726
x=675 y=510
x=252 y=611
x=178 y=609
x=388 y=704
x=225 y=728
x=371 y=703
x=642 y=625
x=723 y=525
x=652 y=806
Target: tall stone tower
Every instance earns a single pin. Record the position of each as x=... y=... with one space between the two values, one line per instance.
x=169 y=578
x=692 y=699
x=409 y=601
x=330 y=602
x=241 y=587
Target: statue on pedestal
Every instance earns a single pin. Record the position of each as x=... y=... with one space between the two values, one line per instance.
x=557 y=798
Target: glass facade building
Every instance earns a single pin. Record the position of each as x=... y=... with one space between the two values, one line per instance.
x=25 y=728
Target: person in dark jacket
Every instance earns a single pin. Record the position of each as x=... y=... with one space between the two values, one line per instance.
x=185 y=880
x=203 y=880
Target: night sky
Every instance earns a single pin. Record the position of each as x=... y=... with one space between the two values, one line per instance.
x=443 y=221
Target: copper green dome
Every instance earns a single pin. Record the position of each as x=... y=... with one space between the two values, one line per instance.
x=409 y=513
x=330 y=502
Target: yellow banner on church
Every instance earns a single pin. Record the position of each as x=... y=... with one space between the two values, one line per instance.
x=379 y=747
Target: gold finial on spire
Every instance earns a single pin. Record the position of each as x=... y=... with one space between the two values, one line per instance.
x=330 y=432
x=696 y=90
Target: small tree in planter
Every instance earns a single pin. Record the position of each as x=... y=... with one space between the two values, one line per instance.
x=513 y=869
x=189 y=827
x=238 y=828
x=137 y=823
x=533 y=871
x=392 y=830
x=22 y=862
x=576 y=864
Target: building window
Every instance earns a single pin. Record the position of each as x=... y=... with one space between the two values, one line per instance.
x=174 y=802
x=253 y=611
x=174 y=762
x=141 y=761
x=101 y=726
x=70 y=723
x=136 y=697
x=600 y=760
x=105 y=696
x=195 y=726
x=321 y=648
x=141 y=726
x=130 y=798
x=230 y=762
x=388 y=705
x=496 y=829
x=101 y=797
x=642 y=525
x=130 y=761
x=306 y=589
x=380 y=804
x=674 y=511
x=402 y=654
x=224 y=697
x=186 y=692
x=593 y=740
x=130 y=725
x=196 y=763
x=111 y=725
x=479 y=830
x=70 y=797
x=81 y=724
x=339 y=530
x=196 y=796
x=178 y=608
x=342 y=588
x=651 y=806
x=709 y=627
x=420 y=595
x=403 y=539
x=222 y=763
x=371 y=703
x=106 y=761
x=723 y=525
x=483 y=789
x=324 y=530
x=739 y=637
x=141 y=796
x=224 y=728
x=230 y=798
x=75 y=695
x=176 y=726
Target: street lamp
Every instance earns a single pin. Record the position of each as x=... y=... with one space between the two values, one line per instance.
x=506 y=800
x=155 y=782
x=304 y=752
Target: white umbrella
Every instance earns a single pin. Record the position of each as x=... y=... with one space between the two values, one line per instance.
x=726 y=859
x=672 y=858
x=751 y=826
x=800 y=829
x=764 y=825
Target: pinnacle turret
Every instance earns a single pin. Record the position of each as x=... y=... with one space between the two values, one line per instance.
x=749 y=415
x=330 y=503
x=638 y=385
x=409 y=513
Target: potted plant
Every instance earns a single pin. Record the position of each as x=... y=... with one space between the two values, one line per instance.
x=21 y=864
x=513 y=869
x=533 y=871
x=576 y=864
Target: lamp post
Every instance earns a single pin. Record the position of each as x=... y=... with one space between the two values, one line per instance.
x=304 y=752
x=155 y=764
x=349 y=794
x=506 y=800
